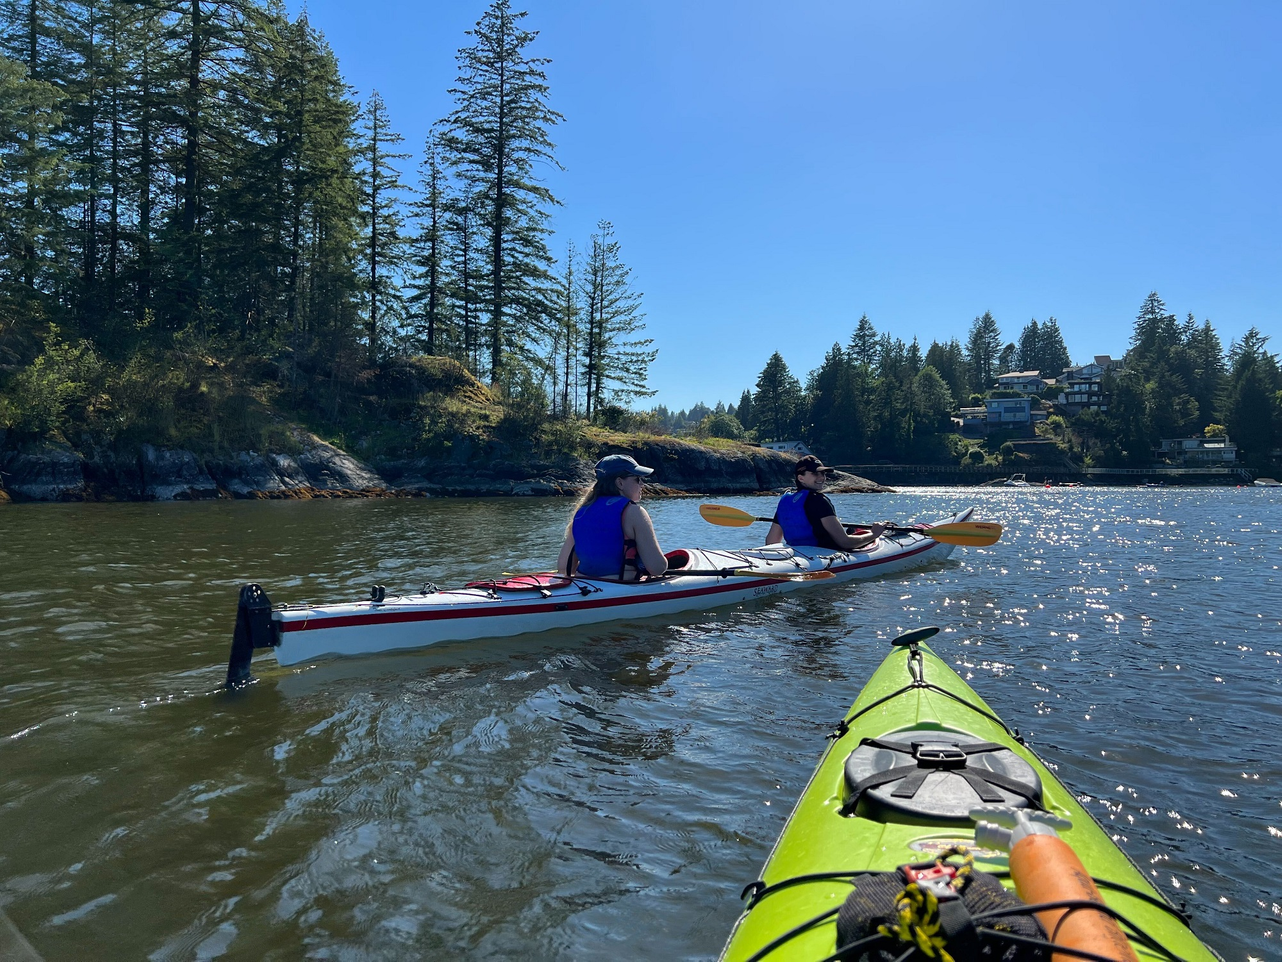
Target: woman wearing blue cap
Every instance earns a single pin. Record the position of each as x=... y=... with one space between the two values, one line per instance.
x=610 y=535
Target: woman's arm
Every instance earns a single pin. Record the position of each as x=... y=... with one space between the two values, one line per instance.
x=775 y=534
x=845 y=541
x=567 y=552
x=638 y=526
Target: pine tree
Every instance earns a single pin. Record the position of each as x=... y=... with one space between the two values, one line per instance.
x=1209 y=371
x=1155 y=333
x=566 y=339
x=982 y=348
x=614 y=354
x=835 y=419
x=34 y=158
x=776 y=405
x=428 y=247
x=1029 y=352
x=1052 y=354
x=1006 y=359
x=497 y=132
x=465 y=277
x=384 y=245
x=950 y=362
x=863 y=343
x=1254 y=398
x=744 y=412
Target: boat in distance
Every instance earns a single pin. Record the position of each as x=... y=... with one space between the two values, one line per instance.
x=541 y=602
x=912 y=793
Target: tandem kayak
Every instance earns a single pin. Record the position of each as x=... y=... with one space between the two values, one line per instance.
x=697 y=578
x=911 y=778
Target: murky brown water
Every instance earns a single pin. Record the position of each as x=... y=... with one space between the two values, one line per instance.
x=596 y=793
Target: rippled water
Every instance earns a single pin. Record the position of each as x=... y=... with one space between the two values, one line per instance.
x=603 y=792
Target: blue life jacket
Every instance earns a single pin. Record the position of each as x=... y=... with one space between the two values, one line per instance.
x=797 y=529
x=602 y=550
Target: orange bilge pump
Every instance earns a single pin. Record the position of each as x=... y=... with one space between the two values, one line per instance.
x=1046 y=870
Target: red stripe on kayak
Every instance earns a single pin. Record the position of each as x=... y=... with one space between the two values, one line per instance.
x=486 y=611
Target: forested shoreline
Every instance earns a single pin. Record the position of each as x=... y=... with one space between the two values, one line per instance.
x=207 y=242
x=205 y=233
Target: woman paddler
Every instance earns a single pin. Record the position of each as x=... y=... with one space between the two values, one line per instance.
x=805 y=516
x=610 y=535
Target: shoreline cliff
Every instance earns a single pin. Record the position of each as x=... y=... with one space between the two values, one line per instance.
x=54 y=471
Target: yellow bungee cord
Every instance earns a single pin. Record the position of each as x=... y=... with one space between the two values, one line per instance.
x=917 y=906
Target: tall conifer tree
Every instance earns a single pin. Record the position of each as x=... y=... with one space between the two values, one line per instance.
x=498 y=131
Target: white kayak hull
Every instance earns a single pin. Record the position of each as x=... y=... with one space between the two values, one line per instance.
x=307 y=632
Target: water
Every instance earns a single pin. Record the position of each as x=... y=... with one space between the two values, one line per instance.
x=603 y=792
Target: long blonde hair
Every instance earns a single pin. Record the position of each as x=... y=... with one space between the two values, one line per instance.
x=606 y=487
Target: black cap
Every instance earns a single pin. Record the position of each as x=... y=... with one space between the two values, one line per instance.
x=810 y=463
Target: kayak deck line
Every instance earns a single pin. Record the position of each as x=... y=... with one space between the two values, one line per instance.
x=531 y=603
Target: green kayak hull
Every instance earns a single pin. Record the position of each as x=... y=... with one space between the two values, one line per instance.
x=914 y=691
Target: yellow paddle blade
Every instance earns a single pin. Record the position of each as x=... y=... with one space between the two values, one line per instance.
x=726 y=516
x=971 y=534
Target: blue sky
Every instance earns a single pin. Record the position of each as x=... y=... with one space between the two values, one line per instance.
x=773 y=171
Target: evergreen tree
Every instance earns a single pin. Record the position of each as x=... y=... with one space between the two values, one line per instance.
x=745 y=414
x=384 y=245
x=566 y=339
x=776 y=405
x=466 y=275
x=863 y=343
x=1006 y=359
x=932 y=402
x=614 y=353
x=498 y=131
x=1029 y=352
x=29 y=167
x=1254 y=405
x=427 y=299
x=1052 y=354
x=1209 y=371
x=834 y=422
x=1155 y=333
x=33 y=153
x=949 y=360
x=982 y=348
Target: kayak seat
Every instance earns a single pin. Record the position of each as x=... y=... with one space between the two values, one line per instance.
x=928 y=775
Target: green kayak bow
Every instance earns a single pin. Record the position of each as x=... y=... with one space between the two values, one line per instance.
x=920 y=760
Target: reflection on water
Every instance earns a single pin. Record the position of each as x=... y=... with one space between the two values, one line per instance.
x=537 y=796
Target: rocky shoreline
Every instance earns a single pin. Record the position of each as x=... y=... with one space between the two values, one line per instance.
x=52 y=471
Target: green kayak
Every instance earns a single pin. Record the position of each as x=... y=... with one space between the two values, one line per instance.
x=902 y=784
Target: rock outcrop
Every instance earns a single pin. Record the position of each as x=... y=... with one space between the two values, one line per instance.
x=48 y=471
x=43 y=471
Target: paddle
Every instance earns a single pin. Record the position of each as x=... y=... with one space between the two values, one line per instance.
x=974 y=534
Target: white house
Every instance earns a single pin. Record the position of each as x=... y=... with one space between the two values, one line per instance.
x=1007 y=412
x=1025 y=382
x=788 y=447
x=1198 y=450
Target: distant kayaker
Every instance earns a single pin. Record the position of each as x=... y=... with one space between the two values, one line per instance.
x=805 y=517
x=610 y=535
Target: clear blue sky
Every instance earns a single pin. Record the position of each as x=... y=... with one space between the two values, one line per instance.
x=773 y=171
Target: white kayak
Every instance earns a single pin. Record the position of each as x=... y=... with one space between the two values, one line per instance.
x=530 y=603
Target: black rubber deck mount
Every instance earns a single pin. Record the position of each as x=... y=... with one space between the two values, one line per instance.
x=915 y=637
x=254 y=629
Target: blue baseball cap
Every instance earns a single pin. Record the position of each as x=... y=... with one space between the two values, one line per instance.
x=616 y=464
